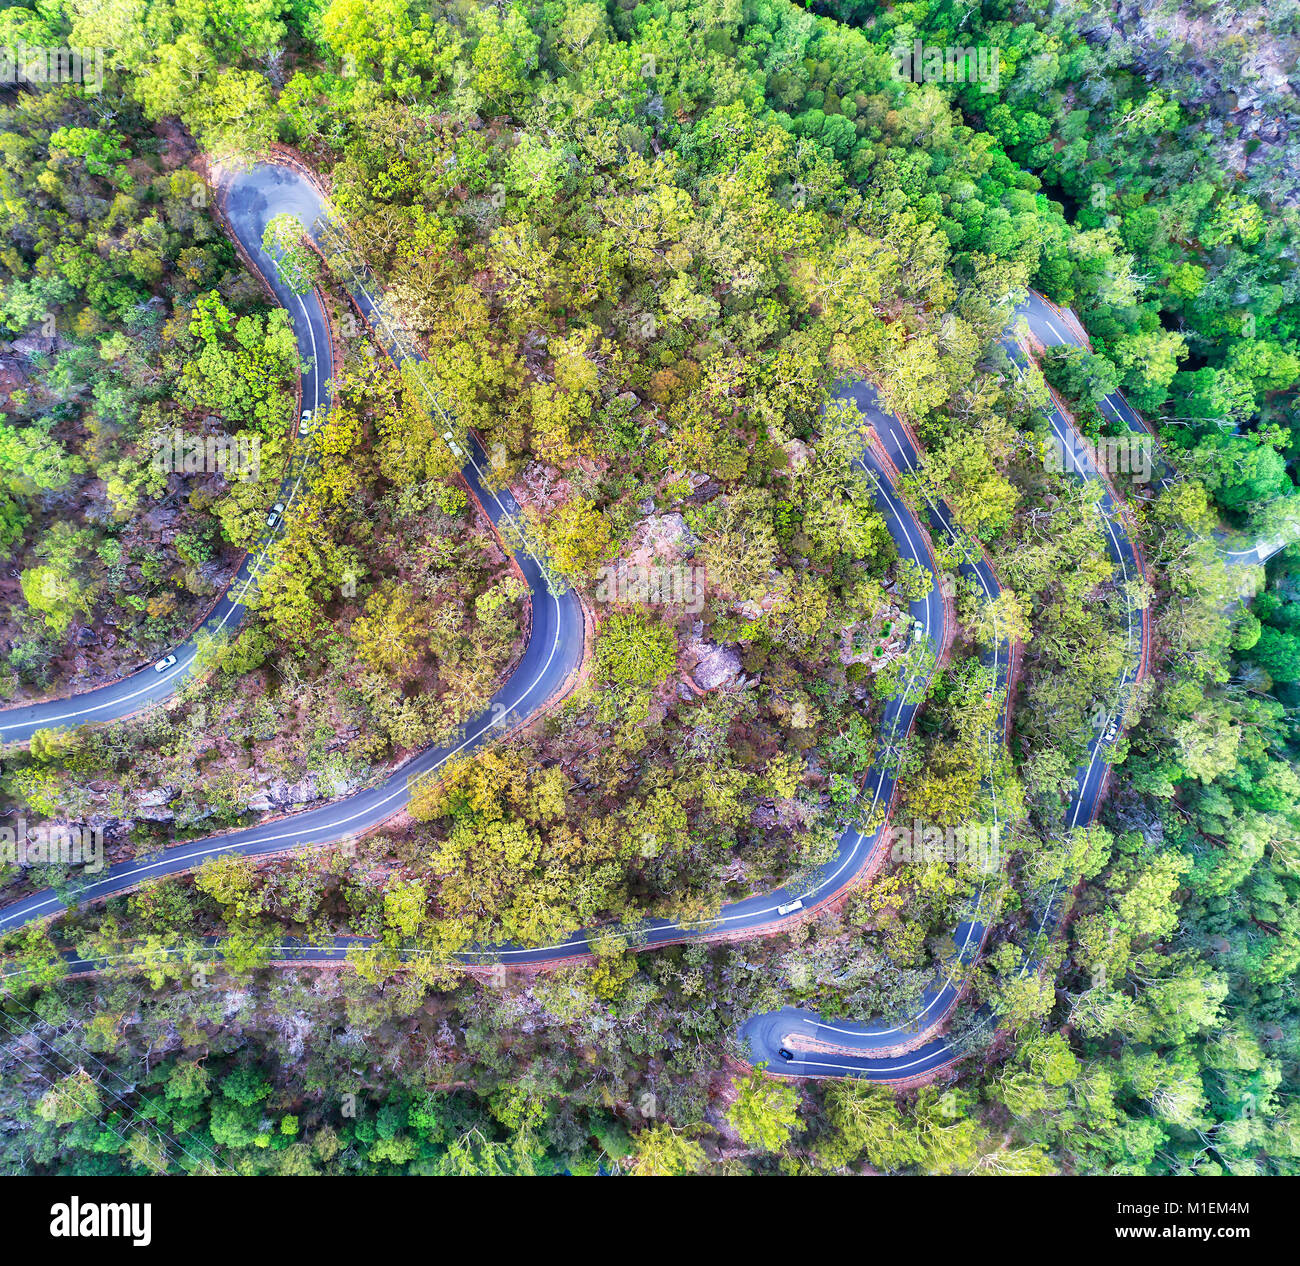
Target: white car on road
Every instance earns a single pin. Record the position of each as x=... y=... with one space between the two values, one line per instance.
x=165 y=663
x=276 y=511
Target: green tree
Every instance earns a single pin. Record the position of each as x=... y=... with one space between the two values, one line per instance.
x=285 y=240
x=765 y=1112
x=661 y=1151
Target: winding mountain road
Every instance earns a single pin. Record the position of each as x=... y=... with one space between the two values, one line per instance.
x=554 y=650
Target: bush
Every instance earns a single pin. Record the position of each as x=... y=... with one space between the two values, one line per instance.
x=631 y=651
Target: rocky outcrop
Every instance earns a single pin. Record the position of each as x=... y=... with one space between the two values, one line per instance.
x=662 y=536
x=1133 y=815
x=1233 y=62
x=278 y=796
x=152 y=805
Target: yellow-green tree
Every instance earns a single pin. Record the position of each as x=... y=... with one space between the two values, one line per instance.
x=765 y=1112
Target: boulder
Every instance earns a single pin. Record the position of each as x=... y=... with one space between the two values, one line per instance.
x=705 y=492
x=152 y=805
x=717 y=666
x=156 y=815
x=668 y=534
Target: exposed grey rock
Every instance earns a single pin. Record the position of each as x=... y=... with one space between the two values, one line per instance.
x=103 y=822
x=161 y=518
x=717 y=666
x=155 y=815
x=38 y=345
x=663 y=536
x=1132 y=815
x=13 y=373
x=295 y=792
x=797 y=453
x=705 y=492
